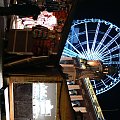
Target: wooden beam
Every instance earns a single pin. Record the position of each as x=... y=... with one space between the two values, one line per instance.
x=11 y=101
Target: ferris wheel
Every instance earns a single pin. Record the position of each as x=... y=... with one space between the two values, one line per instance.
x=96 y=39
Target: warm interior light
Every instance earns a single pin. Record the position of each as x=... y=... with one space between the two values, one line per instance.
x=46 y=19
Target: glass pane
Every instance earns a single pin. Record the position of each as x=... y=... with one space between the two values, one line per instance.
x=22 y=101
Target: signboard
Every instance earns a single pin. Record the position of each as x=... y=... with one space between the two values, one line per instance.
x=44 y=101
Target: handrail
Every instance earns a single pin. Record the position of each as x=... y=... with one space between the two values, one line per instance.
x=93 y=98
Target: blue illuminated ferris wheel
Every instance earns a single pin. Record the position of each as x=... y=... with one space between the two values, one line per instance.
x=96 y=39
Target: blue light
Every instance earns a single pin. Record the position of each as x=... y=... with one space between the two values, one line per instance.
x=81 y=44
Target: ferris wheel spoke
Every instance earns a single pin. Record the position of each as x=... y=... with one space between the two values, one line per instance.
x=95 y=37
x=103 y=83
x=103 y=39
x=74 y=48
x=110 y=42
x=77 y=46
x=111 y=57
x=99 y=57
x=95 y=86
x=88 y=48
x=110 y=77
x=75 y=33
x=111 y=50
x=112 y=63
x=79 y=43
x=106 y=53
x=68 y=51
x=87 y=56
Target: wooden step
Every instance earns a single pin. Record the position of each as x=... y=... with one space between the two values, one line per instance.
x=66 y=58
x=76 y=97
x=67 y=65
x=69 y=70
x=71 y=87
x=81 y=109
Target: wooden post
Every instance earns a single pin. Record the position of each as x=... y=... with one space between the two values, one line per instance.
x=11 y=100
x=1 y=52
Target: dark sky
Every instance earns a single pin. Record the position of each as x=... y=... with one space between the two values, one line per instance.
x=109 y=10
x=110 y=103
x=103 y=9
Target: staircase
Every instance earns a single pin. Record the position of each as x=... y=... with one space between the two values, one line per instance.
x=83 y=98
x=77 y=99
x=74 y=87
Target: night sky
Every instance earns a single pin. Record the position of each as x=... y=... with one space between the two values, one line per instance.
x=108 y=10
x=110 y=103
x=102 y=9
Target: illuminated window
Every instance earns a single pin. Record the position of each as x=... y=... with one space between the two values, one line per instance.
x=46 y=19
